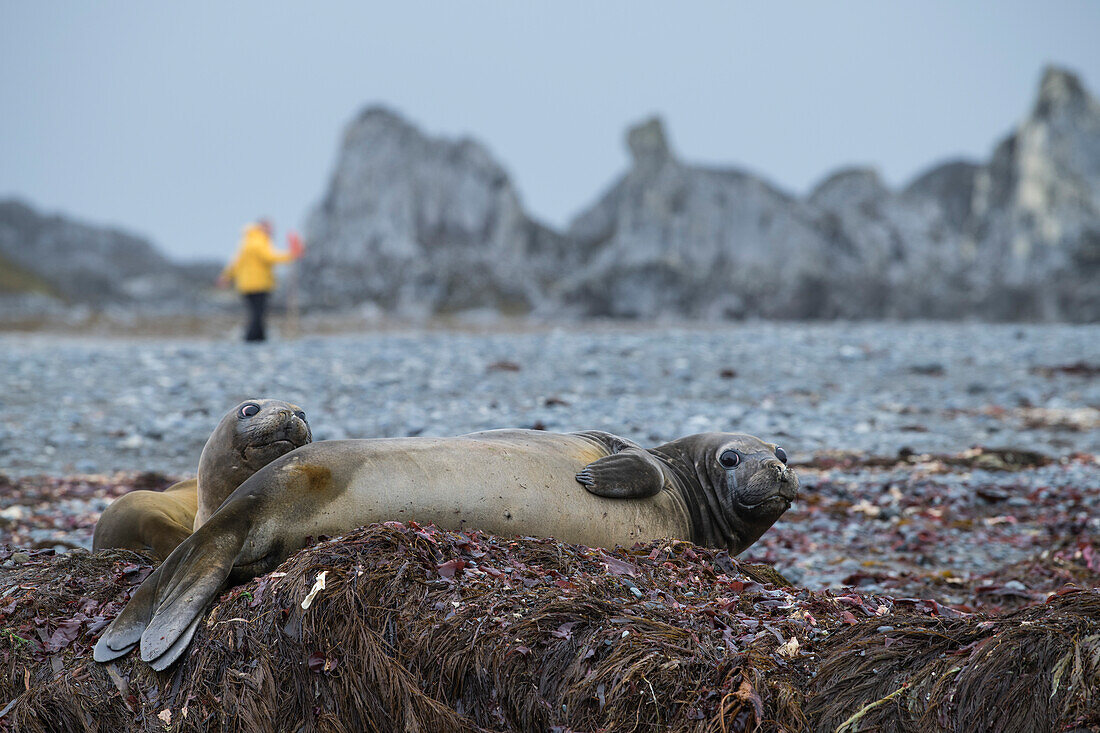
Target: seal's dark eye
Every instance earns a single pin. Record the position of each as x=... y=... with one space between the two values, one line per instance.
x=781 y=455
x=302 y=416
x=729 y=459
x=248 y=410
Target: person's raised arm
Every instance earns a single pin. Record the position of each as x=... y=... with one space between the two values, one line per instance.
x=276 y=257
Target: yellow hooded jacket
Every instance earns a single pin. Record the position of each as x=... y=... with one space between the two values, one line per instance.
x=252 y=271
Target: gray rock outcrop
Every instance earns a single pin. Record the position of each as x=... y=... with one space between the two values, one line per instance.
x=1017 y=238
x=1034 y=228
x=901 y=249
x=669 y=238
x=413 y=223
x=423 y=225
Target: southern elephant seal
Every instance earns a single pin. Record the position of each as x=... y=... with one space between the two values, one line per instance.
x=248 y=437
x=716 y=489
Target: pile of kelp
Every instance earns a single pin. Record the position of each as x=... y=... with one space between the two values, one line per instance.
x=402 y=627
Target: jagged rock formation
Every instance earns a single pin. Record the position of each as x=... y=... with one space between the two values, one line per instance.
x=670 y=238
x=1016 y=238
x=1034 y=228
x=49 y=261
x=704 y=242
x=901 y=249
x=417 y=224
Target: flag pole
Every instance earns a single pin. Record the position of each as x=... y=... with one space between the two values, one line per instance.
x=292 y=290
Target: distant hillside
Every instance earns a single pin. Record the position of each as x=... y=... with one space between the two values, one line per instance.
x=16 y=280
x=427 y=225
x=55 y=259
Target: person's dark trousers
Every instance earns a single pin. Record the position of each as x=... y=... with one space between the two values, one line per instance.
x=257 y=305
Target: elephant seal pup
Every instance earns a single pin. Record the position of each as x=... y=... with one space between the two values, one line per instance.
x=250 y=436
x=149 y=521
x=717 y=489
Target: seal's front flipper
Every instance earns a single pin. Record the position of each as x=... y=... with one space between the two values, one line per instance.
x=631 y=474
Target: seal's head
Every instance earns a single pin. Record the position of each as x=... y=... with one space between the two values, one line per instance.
x=250 y=436
x=740 y=483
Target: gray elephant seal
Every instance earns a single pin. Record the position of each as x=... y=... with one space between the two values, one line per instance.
x=248 y=437
x=716 y=489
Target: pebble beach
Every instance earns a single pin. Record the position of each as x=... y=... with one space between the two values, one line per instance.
x=74 y=405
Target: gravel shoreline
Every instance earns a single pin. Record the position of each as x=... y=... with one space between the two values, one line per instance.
x=73 y=405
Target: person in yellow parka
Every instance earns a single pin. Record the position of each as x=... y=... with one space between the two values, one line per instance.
x=253 y=272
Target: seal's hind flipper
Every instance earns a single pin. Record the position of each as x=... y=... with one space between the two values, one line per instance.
x=202 y=565
x=166 y=607
x=631 y=474
x=124 y=633
x=104 y=653
x=179 y=646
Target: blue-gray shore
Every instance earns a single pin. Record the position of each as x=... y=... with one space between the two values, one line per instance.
x=75 y=405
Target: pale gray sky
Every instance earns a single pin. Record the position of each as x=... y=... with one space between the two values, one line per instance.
x=181 y=121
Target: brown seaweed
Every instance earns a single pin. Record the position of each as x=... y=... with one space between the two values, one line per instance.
x=421 y=629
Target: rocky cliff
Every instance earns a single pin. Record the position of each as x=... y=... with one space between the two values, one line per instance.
x=1034 y=228
x=1015 y=238
x=49 y=261
x=668 y=238
x=421 y=225
x=414 y=223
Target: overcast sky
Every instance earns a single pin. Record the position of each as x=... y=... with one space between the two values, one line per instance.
x=182 y=121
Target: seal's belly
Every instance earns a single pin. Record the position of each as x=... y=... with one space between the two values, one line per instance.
x=503 y=482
